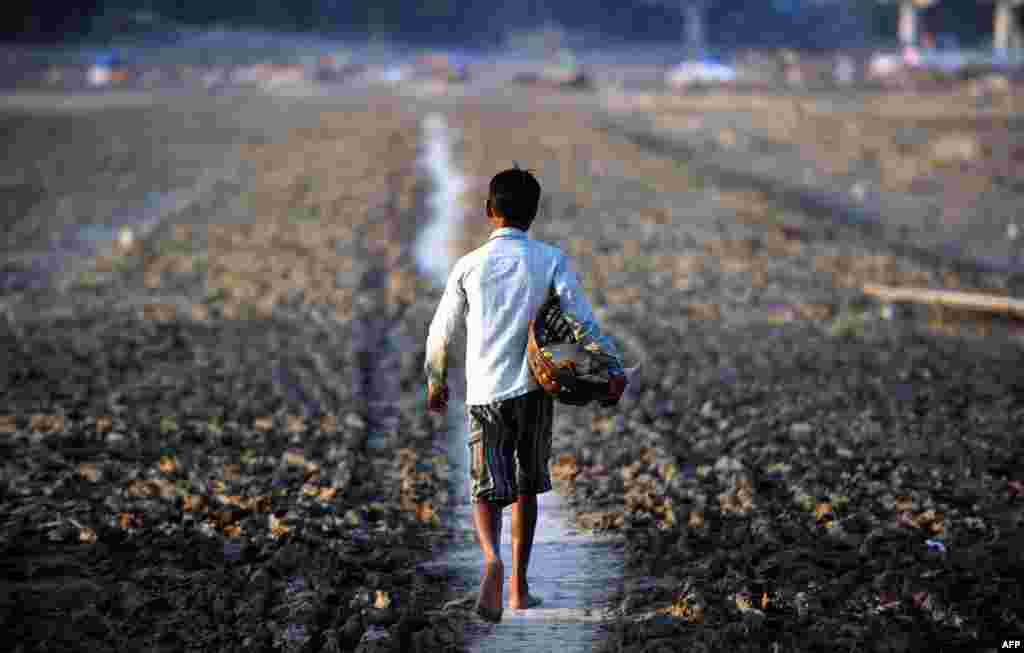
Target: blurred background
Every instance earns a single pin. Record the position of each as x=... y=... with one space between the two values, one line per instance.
x=728 y=24
x=900 y=113
x=949 y=35
x=265 y=167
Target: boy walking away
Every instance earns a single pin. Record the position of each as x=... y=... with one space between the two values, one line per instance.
x=497 y=289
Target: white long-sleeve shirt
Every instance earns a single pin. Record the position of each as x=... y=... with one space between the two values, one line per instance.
x=497 y=289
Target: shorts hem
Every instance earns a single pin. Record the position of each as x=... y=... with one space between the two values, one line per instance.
x=503 y=502
x=506 y=501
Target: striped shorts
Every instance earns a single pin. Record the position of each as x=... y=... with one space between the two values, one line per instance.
x=509 y=448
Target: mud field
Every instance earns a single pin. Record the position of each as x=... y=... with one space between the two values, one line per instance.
x=927 y=171
x=214 y=437
x=799 y=468
x=196 y=458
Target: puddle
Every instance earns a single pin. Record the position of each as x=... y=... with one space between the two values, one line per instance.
x=575 y=574
x=448 y=184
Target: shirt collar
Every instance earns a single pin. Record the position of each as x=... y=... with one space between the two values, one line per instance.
x=508 y=232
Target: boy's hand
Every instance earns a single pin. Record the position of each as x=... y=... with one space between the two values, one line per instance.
x=546 y=376
x=437 y=399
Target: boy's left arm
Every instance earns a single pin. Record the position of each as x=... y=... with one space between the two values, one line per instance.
x=580 y=315
x=450 y=311
x=578 y=312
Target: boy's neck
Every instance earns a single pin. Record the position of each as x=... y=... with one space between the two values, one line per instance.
x=502 y=224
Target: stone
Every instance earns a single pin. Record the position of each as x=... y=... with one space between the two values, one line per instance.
x=664 y=645
x=424 y=641
x=446 y=634
x=659 y=627
x=629 y=604
x=260 y=579
x=377 y=640
x=131 y=599
x=331 y=642
x=801 y=431
x=286 y=559
x=90 y=622
x=753 y=620
x=951 y=148
x=728 y=465
x=352 y=632
x=363 y=598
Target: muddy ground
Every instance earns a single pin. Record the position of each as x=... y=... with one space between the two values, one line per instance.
x=196 y=457
x=928 y=171
x=797 y=468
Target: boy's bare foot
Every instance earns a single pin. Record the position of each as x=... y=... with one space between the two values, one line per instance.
x=488 y=605
x=519 y=595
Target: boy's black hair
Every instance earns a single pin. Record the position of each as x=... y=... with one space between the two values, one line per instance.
x=515 y=194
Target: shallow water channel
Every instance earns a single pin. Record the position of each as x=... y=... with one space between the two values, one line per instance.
x=574 y=573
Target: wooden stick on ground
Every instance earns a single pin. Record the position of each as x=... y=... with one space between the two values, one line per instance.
x=950 y=298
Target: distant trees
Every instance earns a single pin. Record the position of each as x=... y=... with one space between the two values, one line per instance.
x=696 y=25
x=694 y=14
x=45 y=20
x=826 y=24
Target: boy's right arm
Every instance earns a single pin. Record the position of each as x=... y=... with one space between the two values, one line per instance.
x=450 y=312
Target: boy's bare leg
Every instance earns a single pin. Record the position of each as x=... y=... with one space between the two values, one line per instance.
x=524 y=523
x=487 y=519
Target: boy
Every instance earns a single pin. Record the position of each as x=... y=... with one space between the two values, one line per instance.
x=497 y=289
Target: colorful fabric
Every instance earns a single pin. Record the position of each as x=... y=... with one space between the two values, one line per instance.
x=509 y=448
